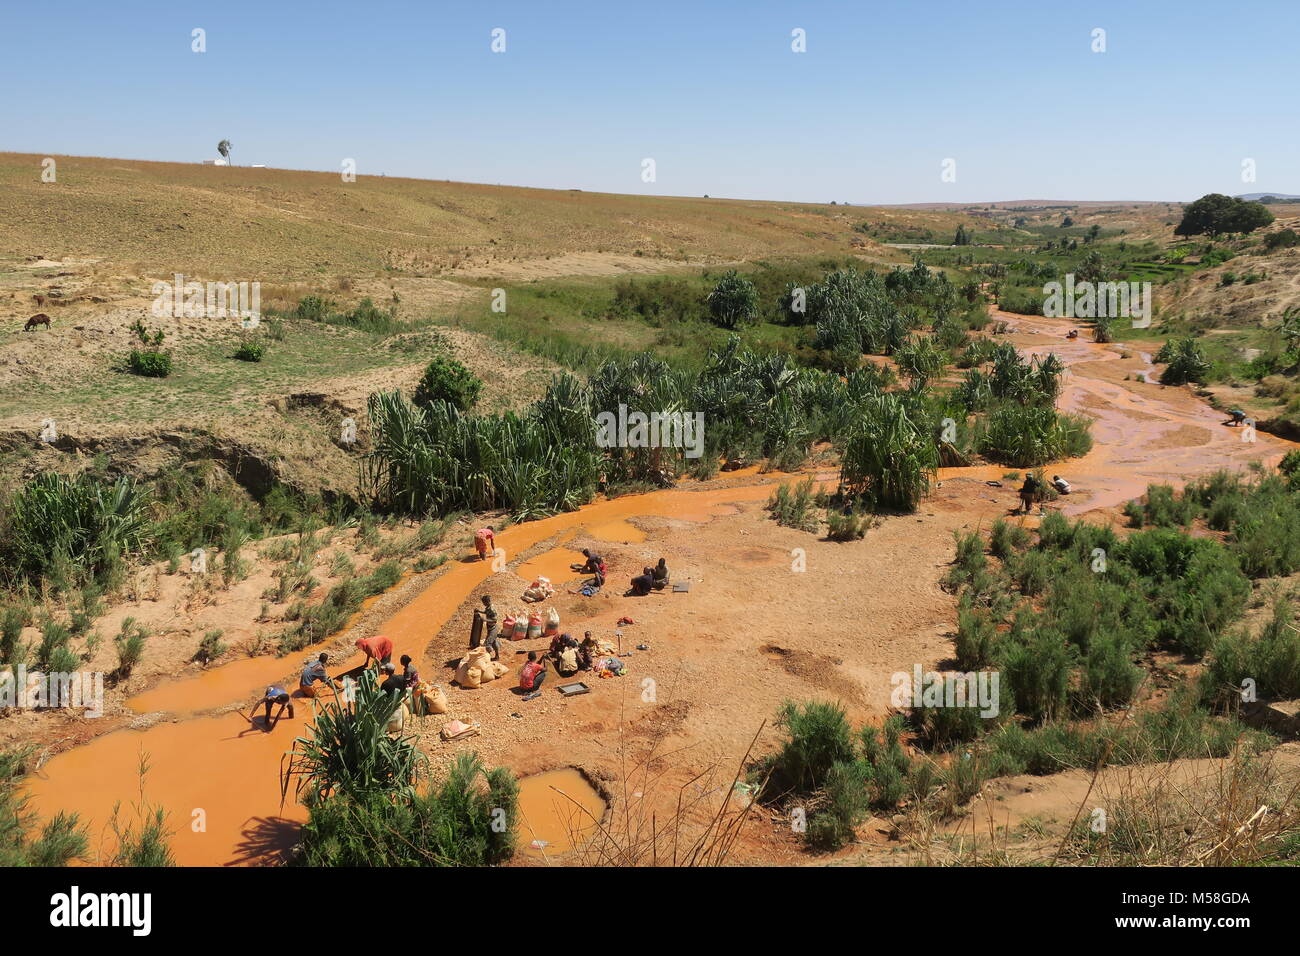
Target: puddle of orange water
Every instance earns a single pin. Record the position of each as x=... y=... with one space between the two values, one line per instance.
x=558 y=809
x=623 y=531
x=231 y=771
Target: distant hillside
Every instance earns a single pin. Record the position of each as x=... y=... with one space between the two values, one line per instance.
x=1259 y=196
x=219 y=221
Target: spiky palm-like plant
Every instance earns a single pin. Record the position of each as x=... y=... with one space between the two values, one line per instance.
x=349 y=751
x=889 y=457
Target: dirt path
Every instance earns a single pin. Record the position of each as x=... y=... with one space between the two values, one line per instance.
x=773 y=614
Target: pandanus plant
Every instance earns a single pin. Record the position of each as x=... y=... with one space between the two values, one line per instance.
x=349 y=751
x=91 y=521
x=889 y=457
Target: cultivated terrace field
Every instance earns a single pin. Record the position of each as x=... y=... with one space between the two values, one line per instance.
x=193 y=505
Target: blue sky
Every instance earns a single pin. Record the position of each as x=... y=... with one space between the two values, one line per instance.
x=710 y=90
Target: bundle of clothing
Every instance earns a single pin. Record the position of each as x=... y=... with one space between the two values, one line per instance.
x=610 y=667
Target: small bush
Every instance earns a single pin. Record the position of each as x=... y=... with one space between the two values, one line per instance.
x=792 y=505
x=130 y=647
x=210 y=648
x=149 y=364
x=1185 y=362
x=1006 y=538
x=250 y=351
x=446 y=380
x=733 y=301
x=818 y=738
x=969 y=560
x=976 y=638
x=846 y=524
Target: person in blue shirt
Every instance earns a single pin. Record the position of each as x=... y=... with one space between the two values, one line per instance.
x=275 y=695
x=313 y=672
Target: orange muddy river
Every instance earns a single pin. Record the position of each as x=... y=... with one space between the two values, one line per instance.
x=218 y=777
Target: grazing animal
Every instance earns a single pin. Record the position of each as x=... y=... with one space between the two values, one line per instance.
x=39 y=319
x=40 y=299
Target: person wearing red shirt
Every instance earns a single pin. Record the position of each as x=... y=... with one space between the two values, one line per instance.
x=377 y=648
x=532 y=673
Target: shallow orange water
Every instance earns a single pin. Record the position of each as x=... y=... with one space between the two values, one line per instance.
x=229 y=770
x=558 y=810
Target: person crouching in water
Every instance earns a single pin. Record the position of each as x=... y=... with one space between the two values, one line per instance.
x=313 y=672
x=485 y=542
x=378 y=649
x=1061 y=485
x=659 y=575
x=276 y=695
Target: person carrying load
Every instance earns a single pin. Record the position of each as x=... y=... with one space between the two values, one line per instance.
x=485 y=542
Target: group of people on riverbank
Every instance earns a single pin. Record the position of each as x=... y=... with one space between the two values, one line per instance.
x=567 y=655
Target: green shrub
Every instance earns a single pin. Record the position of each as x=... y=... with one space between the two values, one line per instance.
x=818 y=736
x=846 y=802
x=130 y=643
x=350 y=753
x=1108 y=677
x=1027 y=436
x=792 y=506
x=1270 y=658
x=469 y=820
x=1162 y=508
x=62 y=839
x=1196 y=588
x=250 y=351
x=1186 y=362
x=1036 y=667
x=1031 y=571
x=210 y=648
x=733 y=301
x=976 y=638
x=945 y=727
x=446 y=380
x=969 y=559
x=1006 y=538
x=81 y=523
x=846 y=524
x=12 y=621
x=149 y=364
x=888 y=458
